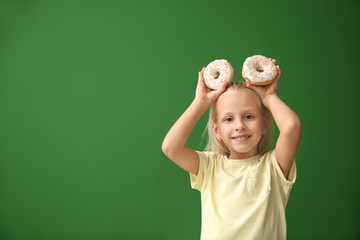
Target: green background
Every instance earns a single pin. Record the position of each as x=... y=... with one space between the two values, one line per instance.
x=88 y=90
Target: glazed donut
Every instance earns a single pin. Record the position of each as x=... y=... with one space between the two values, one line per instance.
x=218 y=72
x=259 y=70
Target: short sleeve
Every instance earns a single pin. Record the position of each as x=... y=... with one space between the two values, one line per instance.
x=197 y=180
x=286 y=184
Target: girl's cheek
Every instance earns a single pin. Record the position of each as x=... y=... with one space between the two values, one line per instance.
x=229 y=127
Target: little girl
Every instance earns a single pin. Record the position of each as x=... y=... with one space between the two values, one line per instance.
x=244 y=186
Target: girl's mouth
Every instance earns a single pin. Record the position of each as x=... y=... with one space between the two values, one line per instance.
x=241 y=138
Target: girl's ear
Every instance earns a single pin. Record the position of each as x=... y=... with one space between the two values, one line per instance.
x=266 y=124
x=216 y=132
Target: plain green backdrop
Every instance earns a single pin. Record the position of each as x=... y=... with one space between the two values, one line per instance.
x=88 y=90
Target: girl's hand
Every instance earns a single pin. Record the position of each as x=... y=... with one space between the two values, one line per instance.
x=265 y=90
x=206 y=94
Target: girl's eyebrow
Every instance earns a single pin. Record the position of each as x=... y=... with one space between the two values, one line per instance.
x=249 y=110
x=226 y=114
x=246 y=110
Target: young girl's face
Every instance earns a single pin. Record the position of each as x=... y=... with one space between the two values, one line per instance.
x=240 y=123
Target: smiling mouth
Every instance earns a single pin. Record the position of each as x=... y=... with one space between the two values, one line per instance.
x=241 y=138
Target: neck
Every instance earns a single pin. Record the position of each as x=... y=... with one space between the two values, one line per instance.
x=236 y=155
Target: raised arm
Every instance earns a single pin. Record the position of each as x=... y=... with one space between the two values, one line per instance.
x=288 y=122
x=173 y=145
x=290 y=128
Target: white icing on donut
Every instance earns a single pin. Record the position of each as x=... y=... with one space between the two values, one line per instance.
x=259 y=62
x=216 y=73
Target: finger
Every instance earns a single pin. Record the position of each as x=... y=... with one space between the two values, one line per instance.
x=247 y=80
x=201 y=83
x=199 y=78
x=278 y=73
x=201 y=75
x=221 y=89
x=248 y=83
x=223 y=85
x=274 y=61
x=278 y=69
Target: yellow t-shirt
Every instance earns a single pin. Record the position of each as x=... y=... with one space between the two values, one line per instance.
x=242 y=199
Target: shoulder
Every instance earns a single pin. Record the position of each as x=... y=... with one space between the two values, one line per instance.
x=209 y=159
x=270 y=159
x=207 y=164
x=210 y=156
x=268 y=155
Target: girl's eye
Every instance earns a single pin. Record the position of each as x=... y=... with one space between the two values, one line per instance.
x=248 y=117
x=228 y=119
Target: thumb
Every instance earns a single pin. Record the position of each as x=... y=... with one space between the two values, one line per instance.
x=248 y=84
x=252 y=86
x=221 y=89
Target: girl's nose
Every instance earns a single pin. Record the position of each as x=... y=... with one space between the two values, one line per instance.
x=239 y=126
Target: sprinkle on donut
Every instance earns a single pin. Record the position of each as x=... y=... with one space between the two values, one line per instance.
x=218 y=72
x=259 y=70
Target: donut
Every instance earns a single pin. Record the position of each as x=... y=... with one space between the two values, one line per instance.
x=217 y=72
x=259 y=70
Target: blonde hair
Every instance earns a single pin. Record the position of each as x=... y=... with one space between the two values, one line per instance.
x=214 y=145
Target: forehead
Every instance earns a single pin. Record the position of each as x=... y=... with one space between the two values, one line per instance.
x=240 y=100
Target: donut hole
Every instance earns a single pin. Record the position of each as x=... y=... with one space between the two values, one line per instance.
x=259 y=67
x=217 y=75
